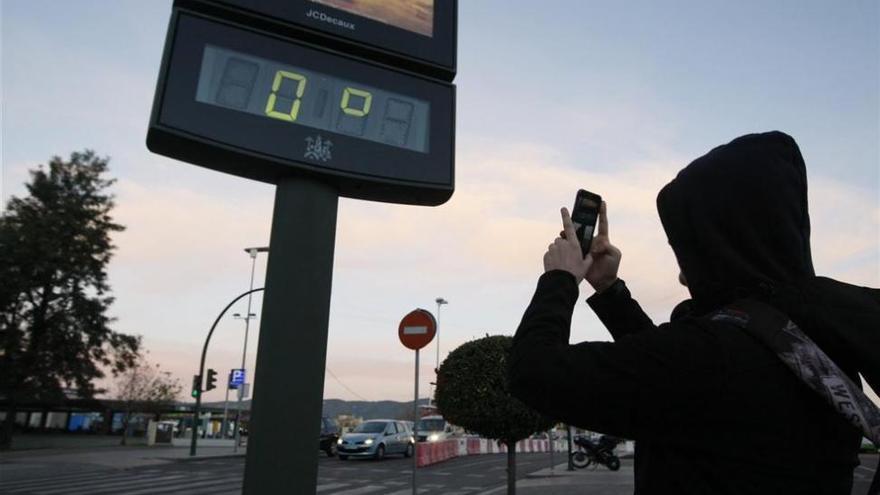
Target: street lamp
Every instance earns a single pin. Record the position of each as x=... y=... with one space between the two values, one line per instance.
x=440 y=301
x=252 y=252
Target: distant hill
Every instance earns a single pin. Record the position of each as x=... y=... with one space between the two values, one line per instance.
x=383 y=409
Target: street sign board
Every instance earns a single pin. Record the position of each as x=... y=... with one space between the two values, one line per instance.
x=417 y=329
x=266 y=106
x=236 y=377
x=244 y=391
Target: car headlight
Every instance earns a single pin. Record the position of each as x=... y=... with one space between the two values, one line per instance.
x=433 y=437
x=339 y=442
x=368 y=441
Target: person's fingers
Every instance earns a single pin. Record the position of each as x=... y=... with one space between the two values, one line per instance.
x=568 y=227
x=599 y=246
x=588 y=261
x=603 y=219
x=614 y=250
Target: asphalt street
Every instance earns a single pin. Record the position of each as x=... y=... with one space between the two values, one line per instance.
x=221 y=476
x=475 y=475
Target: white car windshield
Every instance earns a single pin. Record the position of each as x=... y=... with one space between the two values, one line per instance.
x=431 y=425
x=370 y=427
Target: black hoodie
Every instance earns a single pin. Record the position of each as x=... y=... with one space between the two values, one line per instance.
x=738 y=222
x=713 y=410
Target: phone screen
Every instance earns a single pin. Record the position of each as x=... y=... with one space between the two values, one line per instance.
x=584 y=217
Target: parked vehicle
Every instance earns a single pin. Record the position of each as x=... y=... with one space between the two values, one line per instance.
x=433 y=429
x=329 y=436
x=600 y=452
x=377 y=438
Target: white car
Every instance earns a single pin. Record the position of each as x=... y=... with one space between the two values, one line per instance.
x=433 y=429
x=376 y=438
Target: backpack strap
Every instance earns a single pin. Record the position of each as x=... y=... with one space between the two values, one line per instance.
x=809 y=363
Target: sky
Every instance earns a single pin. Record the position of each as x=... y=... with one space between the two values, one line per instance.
x=614 y=97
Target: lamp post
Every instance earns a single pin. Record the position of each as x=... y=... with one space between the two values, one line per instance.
x=240 y=389
x=252 y=252
x=440 y=301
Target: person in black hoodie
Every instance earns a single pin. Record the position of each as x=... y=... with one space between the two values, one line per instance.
x=713 y=409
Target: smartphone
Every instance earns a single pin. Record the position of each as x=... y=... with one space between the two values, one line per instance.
x=584 y=217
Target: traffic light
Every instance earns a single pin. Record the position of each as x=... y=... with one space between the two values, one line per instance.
x=211 y=384
x=197 y=385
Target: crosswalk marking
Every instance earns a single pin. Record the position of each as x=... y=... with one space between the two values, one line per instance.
x=329 y=486
x=68 y=483
x=114 y=486
x=205 y=488
x=208 y=479
x=66 y=477
x=361 y=490
x=130 y=484
x=407 y=491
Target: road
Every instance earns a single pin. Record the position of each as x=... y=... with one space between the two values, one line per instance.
x=475 y=475
x=223 y=476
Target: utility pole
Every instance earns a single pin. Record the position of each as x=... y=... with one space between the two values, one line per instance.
x=440 y=301
x=252 y=252
x=225 y=408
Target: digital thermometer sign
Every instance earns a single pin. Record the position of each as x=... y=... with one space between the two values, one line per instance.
x=261 y=105
x=300 y=96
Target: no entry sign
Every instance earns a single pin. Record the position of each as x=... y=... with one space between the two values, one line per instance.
x=417 y=329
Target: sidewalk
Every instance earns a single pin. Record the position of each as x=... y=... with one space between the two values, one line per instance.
x=560 y=481
x=601 y=481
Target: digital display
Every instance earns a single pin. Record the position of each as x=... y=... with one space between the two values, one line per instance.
x=413 y=15
x=296 y=95
x=269 y=107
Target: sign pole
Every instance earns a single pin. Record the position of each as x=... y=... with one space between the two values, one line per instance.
x=570 y=462
x=416 y=427
x=292 y=348
x=225 y=408
x=416 y=330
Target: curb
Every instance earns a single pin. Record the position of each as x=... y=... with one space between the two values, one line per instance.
x=201 y=457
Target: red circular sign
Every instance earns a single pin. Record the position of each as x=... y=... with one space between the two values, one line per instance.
x=417 y=329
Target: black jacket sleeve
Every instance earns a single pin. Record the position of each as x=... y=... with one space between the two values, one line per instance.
x=619 y=312
x=648 y=383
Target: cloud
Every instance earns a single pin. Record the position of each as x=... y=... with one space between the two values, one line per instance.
x=482 y=250
x=845 y=224
x=179 y=235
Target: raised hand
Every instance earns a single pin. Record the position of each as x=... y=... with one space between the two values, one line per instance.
x=565 y=252
x=604 y=257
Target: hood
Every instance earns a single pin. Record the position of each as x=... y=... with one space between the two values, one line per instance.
x=738 y=222
x=358 y=437
x=737 y=218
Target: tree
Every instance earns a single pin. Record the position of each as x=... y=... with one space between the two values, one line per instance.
x=144 y=388
x=472 y=392
x=54 y=249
